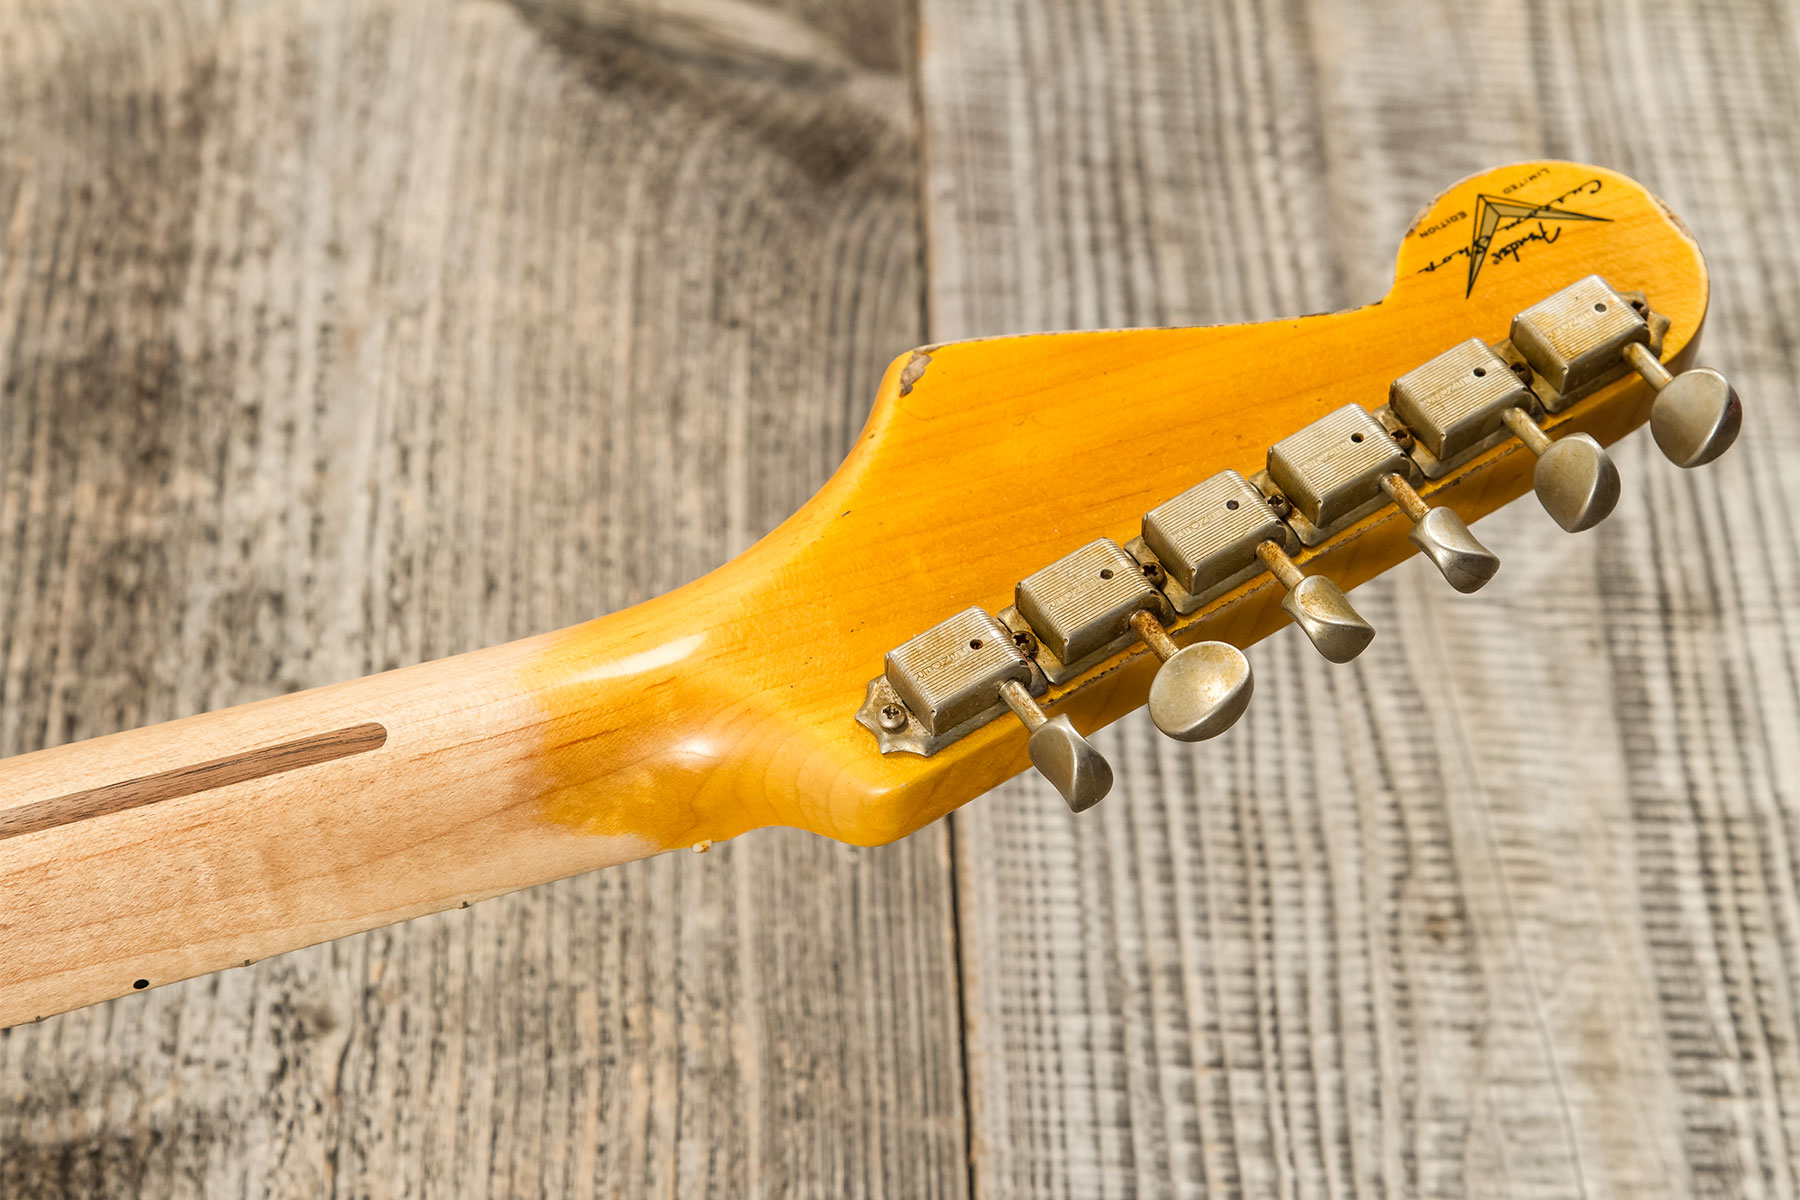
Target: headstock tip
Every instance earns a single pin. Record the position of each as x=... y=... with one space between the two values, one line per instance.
x=1499 y=238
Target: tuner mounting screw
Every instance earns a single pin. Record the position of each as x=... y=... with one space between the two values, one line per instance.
x=892 y=718
x=1154 y=573
x=1403 y=438
x=1523 y=372
x=1279 y=505
x=1027 y=642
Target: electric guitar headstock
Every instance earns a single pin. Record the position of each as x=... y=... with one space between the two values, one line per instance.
x=1037 y=534
x=1032 y=537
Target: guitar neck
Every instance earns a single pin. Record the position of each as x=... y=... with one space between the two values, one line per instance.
x=160 y=853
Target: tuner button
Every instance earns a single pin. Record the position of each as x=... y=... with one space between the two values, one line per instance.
x=1696 y=414
x=1575 y=479
x=1577 y=482
x=1325 y=615
x=1696 y=418
x=1319 y=607
x=1060 y=754
x=1199 y=692
x=1463 y=561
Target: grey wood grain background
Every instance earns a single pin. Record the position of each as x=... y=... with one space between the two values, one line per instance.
x=335 y=336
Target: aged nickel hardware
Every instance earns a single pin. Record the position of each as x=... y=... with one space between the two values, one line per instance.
x=1091 y=603
x=1587 y=334
x=954 y=677
x=1222 y=533
x=1464 y=562
x=1575 y=479
x=950 y=675
x=1319 y=607
x=1576 y=338
x=1466 y=399
x=1080 y=606
x=1696 y=414
x=1206 y=538
x=1331 y=470
x=1453 y=404
x=1199 y=692
x=1060 y=754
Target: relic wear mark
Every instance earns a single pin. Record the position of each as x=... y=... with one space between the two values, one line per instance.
x=914 y=370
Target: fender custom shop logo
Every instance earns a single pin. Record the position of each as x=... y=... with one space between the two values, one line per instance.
x=1505 y=226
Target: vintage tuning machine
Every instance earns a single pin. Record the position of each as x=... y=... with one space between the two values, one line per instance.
x=1346 y=465
x=1588 y=334
x=1222 y=533
x=1468 y=398
x=958 y=675
x=1696 y=415
x=1098 y=600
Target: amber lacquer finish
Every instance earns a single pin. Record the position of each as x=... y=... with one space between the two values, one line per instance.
x=727 y=704
x=984 y=460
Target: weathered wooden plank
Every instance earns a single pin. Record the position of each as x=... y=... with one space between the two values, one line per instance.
x=1509 y=906
x=335 y=337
